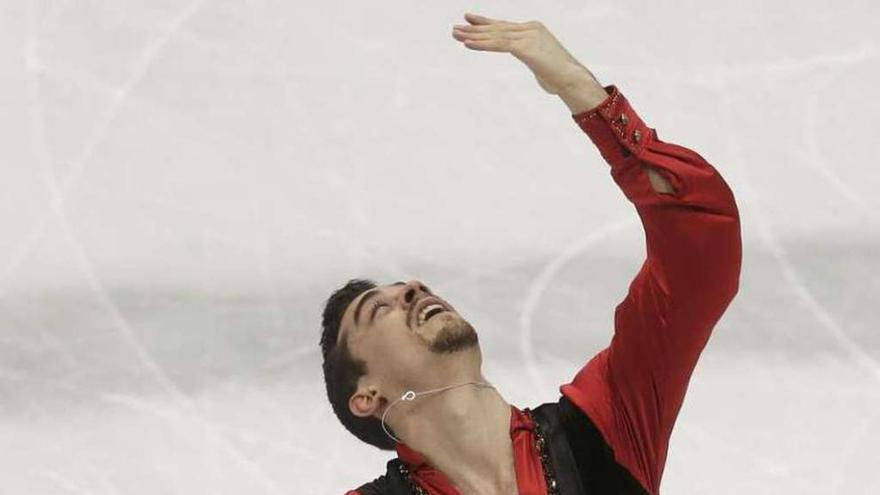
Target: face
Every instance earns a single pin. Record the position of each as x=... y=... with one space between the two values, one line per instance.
x=410 y=338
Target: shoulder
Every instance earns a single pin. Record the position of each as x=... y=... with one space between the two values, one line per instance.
x=378 y=486
x=387 y=484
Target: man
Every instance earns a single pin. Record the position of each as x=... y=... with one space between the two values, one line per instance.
x=403 y=367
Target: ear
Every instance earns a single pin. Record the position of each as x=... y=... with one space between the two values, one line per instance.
x=364 y=402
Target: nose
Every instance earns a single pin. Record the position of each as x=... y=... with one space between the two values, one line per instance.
x=412 y=290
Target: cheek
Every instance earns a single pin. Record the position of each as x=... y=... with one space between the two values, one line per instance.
x=392 y=340
x=394 y=348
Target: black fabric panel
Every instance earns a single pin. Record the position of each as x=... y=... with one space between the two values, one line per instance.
x=378 y=486
x=568 y=479
x=390 y=483
x=600 y=473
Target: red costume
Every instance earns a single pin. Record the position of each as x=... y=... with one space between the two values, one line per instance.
x=632 y=390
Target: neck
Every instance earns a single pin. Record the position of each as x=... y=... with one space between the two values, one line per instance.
x=464 y=432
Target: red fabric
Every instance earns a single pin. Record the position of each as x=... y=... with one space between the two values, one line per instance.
x=529 y=471
x=633 y=389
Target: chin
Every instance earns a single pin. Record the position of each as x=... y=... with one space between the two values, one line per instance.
x=453 y=334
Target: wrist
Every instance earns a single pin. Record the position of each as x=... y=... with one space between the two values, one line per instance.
x=583 y=94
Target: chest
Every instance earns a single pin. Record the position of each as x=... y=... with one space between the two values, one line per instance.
x=531 y=470
x=564 y=455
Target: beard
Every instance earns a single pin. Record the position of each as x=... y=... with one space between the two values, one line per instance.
x=455 y=335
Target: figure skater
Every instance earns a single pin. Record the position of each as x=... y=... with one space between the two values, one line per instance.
x=403 y=367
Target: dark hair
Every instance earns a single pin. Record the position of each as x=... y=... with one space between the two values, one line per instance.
x=342 y=371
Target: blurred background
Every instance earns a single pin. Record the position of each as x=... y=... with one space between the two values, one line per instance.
x=182 y=184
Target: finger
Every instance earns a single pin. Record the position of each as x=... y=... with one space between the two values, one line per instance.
x=486 y=36
x=480 y=19
x=501 y=26
x=489 y=45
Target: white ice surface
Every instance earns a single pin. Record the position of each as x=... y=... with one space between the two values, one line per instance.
x=182 y=184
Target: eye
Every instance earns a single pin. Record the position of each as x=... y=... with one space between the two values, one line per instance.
x=375 y=307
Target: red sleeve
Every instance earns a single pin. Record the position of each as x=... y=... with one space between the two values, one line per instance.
x=633 y=389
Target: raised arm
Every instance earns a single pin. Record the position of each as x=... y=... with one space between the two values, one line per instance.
x=633 y=389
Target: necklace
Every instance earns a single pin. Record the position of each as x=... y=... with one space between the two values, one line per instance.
x=410 y=396
x=540 y=445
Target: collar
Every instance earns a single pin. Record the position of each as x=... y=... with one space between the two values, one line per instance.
x=414 y=460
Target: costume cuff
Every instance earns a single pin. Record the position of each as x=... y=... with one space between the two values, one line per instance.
x=614 y=127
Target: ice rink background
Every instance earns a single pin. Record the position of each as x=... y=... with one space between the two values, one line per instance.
x=183 y=183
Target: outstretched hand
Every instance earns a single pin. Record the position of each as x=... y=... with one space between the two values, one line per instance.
x=530 y=42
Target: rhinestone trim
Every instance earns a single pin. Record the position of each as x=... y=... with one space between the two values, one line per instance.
x=413 y=484
x=541 y=444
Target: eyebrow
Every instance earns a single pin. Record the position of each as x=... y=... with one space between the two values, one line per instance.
x=368 y=295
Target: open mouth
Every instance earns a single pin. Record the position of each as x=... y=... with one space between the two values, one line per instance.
x=427 y=309
x=429 y=312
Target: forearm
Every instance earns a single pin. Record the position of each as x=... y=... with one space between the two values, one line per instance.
x=583 y=93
